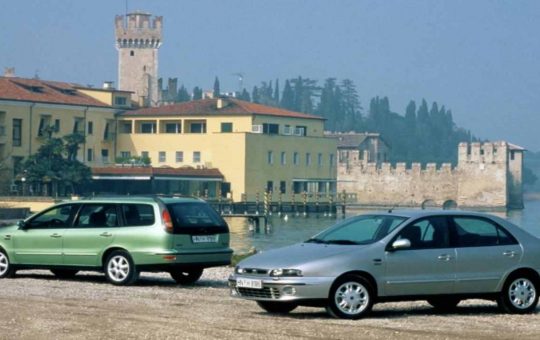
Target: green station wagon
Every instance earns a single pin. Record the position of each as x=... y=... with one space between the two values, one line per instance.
x=120 y=236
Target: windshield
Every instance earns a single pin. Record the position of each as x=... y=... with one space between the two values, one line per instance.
x=359 y=230
x=188 y=216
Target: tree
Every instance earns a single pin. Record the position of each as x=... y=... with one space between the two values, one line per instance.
x=183 y=95
x=255 y=95
x=197 y=93
x=287 y=99
x=54 y=167
x=276 y=93
x=244 y=95
x=217 y=91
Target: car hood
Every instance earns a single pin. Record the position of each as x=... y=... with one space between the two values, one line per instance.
x=295 y=255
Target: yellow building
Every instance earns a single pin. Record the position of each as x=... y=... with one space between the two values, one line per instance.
x=28 y=107
x=256 y=148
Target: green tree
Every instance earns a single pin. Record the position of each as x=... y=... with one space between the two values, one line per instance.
x=183 y=95
x=287 y=99
x=255 y=95
x=217 y=91
x=197 y=93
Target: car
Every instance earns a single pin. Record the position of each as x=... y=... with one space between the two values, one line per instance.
x=443 y=257
x=120 y=236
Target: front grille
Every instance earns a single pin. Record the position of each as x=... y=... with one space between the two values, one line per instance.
x=266 y=292
x=255 y=271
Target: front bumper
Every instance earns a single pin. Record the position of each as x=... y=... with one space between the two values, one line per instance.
x=283 y=288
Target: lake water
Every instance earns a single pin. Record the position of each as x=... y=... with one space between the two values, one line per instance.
x=284 y=232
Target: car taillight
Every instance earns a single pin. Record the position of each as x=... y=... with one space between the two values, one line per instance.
x=167 y=221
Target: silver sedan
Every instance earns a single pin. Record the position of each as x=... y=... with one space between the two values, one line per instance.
x=439 y=256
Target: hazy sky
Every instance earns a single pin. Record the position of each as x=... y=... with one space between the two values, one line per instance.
x=479 y=58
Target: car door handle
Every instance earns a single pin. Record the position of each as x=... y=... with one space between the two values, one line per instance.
x=55 y=235
x=105 y=234
x=510 y=253
x=7 y=237
x=444 y=257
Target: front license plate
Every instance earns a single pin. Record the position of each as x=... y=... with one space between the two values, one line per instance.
x=204 y=238
x=249 y=283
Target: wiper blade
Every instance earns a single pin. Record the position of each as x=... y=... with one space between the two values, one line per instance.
x=344 y=242
x=315 y=240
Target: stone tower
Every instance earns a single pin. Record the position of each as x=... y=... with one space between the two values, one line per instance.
x=138 y=38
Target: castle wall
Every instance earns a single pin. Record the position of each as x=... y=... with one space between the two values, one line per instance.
x=480 y=180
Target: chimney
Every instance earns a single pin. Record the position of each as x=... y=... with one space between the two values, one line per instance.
x=221 y=103
x=9 y=72
x=108 y=85
x=142 y=101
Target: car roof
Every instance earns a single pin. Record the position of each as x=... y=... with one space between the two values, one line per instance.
x=426 y=213
x=135 y=199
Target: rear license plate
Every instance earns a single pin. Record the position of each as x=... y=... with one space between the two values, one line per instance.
x=204 y=238
x=249 y=283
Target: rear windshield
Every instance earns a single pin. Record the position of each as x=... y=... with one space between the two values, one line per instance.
x=190 y=216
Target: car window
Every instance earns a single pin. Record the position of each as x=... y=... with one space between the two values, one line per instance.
x=363 y=230
x=187 y=215
x=478 y=232
x=427 y=233
x=57 y=217
x=138 y=214
x=97 y=215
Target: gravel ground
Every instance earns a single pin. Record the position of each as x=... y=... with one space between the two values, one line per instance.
x=36 y=305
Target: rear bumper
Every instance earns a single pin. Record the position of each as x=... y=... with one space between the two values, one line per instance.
x=167 y=260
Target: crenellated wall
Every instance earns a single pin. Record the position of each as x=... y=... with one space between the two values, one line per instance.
x=480 y=180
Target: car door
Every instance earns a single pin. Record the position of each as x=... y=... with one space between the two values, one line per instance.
x=485 y=252
x=93 y=230
x=39 y=241
x=427 y=266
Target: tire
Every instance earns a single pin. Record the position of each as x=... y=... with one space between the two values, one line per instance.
x=186 y=276
x=444 y=304
x=351 y=297
x=519 y=294
x=120 y=269
x=64 y=273
x=274 y=307
x=6 y=269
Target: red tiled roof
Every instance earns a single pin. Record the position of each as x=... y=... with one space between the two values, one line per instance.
x=44 y=91
x=151 y=171
x=232 y=106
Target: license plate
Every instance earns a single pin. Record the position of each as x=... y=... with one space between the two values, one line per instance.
x=204 y=238
x=249 y=283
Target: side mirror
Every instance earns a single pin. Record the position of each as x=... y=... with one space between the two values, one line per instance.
x=401 y=244
x=22 y=225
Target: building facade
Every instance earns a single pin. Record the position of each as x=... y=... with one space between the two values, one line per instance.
x=138 y=38
x=257 y=148
x=487 y=176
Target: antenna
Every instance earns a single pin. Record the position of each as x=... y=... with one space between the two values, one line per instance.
x=240 y=76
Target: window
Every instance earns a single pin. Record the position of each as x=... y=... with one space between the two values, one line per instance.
x=17 y=132
x=126 y=127
x=296 y=158
x=308 y=159
x=131 y=53
x=125 y=154
x=427 y=233
x=162 y=157
x=17 y=162
x=78 y=126
x=269 y=186
x=300 y=130
x=90 y=128
x=148 y=127
x=196 y=156
x=283 y=158
x=44 y=122
x=478 y=232
x=57 y=125
x=331 y=159
x=120 y=101
x=271 y=129
x=138 y=214
x=270 y=157
x=57 y=217
x=97 y=215
x=319 y=159
x=287 y=130
x=282 y=187
x=179 y=156
x=173 y=127
x=105 y=155
x=199 y=127
x=145 y=154
x=89 y=155
x=226 y=127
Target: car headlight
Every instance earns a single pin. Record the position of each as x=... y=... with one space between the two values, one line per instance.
x=239 y=270
x=285 y=272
